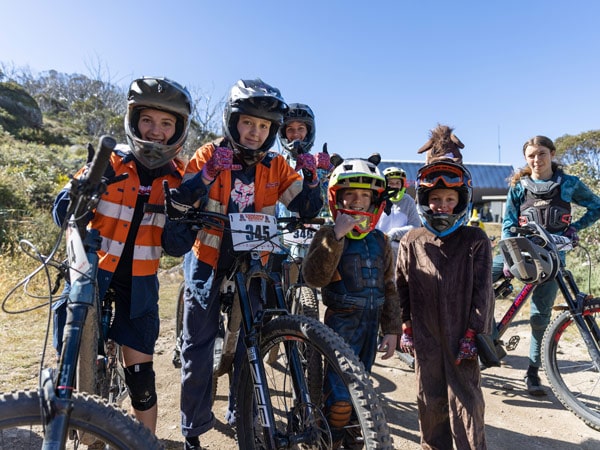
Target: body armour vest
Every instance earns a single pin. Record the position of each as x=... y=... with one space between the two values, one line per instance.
x=544 y=205
x=362 y=274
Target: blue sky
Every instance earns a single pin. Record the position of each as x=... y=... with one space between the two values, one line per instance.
x=378 y=75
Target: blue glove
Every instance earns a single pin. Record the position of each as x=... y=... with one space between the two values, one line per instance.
x=571 y=233
x=467 y=349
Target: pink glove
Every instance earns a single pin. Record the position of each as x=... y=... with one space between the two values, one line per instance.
x=407 y=345
x=571 y=233
x=324 y=160
x=307 y=163
x=222 y=159
x=467 y=349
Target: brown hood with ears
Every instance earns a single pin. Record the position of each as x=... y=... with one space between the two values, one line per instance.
x=442 y=144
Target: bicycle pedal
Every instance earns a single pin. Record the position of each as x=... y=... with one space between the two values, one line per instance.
x=561 y=307
x=512 y=343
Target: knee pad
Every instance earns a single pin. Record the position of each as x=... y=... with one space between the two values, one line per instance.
x=141 y=382
x=339 y=414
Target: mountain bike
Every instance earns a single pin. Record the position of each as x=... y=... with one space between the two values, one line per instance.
x=571 y=343
x=60 y=413
x=300 y=298
x=280 y=405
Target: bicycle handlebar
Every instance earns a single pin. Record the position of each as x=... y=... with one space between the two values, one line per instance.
x=100 y=162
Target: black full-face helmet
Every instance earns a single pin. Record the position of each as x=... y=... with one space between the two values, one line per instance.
x=298 y=112
x=444 y=174
x=253 y=98
x=164 y=95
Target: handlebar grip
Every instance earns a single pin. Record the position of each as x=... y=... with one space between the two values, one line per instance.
x=99 y=164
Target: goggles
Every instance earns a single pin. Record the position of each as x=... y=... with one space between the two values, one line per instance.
x=447 y=175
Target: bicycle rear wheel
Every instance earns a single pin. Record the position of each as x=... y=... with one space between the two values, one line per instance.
x=304 y=425
x=571 y=372
x=21 y=424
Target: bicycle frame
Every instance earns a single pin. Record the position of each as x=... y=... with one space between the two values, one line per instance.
x=57 y=386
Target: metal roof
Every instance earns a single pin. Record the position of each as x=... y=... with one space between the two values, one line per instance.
x=488 y=178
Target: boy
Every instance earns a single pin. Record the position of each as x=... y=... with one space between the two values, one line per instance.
x=444 y=285
x=352 y=263
x=237 y=173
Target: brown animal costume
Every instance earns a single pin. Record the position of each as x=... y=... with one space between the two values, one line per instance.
x=445 y=288
x=442 y=144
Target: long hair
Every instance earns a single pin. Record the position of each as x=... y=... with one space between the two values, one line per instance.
x=526 y=170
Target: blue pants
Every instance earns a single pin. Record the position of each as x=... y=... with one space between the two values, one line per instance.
x=359 y=328
x=200 y=328
x=541 y=302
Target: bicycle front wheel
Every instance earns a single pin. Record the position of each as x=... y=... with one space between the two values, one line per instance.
x=21 y=424
x=303 y=424
x=574 y=378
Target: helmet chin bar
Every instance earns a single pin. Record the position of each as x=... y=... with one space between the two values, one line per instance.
x=367 y=223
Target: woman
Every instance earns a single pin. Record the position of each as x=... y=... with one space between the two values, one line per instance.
x=541 y=192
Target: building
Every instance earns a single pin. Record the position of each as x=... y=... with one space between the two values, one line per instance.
x=490 y=184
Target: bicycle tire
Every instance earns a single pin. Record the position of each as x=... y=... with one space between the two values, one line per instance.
x=304 y=301
x=21 y=423
x=569 y=368
x=178 y=327
x=290 y=418
x=88 y=367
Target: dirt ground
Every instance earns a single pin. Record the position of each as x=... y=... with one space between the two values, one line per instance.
x=514 y=419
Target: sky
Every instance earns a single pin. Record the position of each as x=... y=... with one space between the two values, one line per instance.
x=379 y=75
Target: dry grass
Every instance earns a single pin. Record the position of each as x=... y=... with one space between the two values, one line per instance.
x=22 y=335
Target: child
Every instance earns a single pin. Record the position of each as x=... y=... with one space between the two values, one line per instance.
x=402 y=215
x=237 y=173
x=130 y=219
x=352 y=263
x=444 y=285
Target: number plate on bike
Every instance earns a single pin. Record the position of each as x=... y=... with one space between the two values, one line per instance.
x=254 y=231
x=302 y=236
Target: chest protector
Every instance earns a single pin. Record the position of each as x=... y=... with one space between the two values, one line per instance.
x=362 y=271
x=544 y=205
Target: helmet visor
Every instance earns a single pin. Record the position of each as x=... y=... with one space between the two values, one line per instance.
x=447 y=175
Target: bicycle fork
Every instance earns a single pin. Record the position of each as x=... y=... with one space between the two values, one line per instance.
x=262 y=397
x=56 y=394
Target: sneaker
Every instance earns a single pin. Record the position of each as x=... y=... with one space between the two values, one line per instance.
x=230 y=417
x=534 y=386
x=192 y=443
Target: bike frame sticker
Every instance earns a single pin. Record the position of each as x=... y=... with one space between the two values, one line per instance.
x=78 y=261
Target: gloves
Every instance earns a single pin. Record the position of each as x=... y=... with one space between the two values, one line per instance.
x=467 y=349
x=571 y=233
x=324 y=160
x=180 y=200
x=507 y=273
x=222 y=159
x=307 y=163
x=407 y=344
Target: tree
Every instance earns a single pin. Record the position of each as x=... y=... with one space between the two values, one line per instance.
x=582 y=151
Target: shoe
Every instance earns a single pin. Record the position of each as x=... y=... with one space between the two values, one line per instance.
x=534 y=386
x=230 y=417
x=192 y=443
